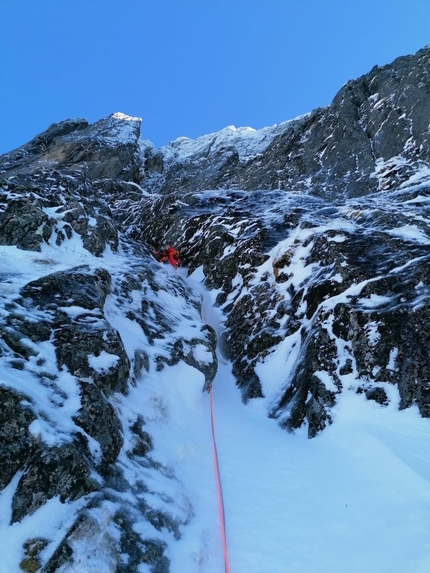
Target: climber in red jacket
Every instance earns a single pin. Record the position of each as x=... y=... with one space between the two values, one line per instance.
x=169 y=255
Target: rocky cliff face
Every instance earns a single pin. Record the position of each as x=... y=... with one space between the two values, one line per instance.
x=314 y=234
x=323 y=252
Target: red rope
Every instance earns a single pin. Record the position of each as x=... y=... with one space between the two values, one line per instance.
x=219 y=488
x=217 y=474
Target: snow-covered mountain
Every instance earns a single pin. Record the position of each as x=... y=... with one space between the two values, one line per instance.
x=303 y=300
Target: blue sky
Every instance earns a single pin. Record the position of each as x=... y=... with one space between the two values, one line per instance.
x=190 y=67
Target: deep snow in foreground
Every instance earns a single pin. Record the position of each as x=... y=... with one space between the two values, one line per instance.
x=355 y=499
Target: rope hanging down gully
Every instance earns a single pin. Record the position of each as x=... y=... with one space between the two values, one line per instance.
x=218 y=477
x=219 y=488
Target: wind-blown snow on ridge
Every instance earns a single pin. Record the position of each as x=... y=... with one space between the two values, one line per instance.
x=246 y=141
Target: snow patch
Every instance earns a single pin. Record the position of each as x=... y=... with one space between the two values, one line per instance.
x=103 y=362
x=202 y=354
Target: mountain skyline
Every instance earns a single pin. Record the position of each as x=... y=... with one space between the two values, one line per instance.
x=190 y=68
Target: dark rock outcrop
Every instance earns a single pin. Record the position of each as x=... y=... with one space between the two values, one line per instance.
x=105 y=149
x=63 y=471
x=16 y=442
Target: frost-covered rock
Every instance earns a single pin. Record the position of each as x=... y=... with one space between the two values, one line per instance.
x=85 y=318
x=286 y=263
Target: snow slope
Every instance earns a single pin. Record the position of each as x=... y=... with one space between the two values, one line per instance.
x=356 y=498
